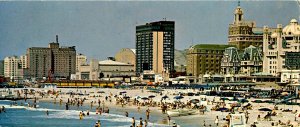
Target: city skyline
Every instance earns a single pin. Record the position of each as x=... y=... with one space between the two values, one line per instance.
x=99 y=29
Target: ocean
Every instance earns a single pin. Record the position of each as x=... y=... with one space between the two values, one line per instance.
x=58 y=116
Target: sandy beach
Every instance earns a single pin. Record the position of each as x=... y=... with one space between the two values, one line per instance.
x=93 y=95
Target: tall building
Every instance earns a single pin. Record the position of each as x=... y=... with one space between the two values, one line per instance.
x=1 y=67
x=52 y=61
x=205 y=58
x=126 y=55
x=13 y=67
x=243 y=33
x=276 y=43
x=155 y=47
x=80 y=60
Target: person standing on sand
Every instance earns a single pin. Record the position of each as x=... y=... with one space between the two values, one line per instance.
x=146 y=123
x=148 y=113
x=133 y=122
x=141 y=122
x=217 y=121
x=169 y=120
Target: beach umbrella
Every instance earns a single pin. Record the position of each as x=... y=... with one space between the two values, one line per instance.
x=223 y=109
x=257 y=101
x=243 y=100
x=165 y=97
x=265 y=109
x=126 y=97
x=195 y=100
x=123 y=92
x=151 y=96
x=144 y=98
x=137 y=97
x=100 y=92
x=178 y=97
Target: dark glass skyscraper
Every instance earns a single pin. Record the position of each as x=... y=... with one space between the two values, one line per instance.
x=155 y=47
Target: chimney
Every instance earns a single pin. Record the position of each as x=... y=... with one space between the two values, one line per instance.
x=56 y=38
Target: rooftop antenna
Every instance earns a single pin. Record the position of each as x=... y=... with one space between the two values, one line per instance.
x=56 y=38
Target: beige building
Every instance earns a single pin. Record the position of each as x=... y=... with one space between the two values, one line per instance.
x=205 y=59
x=13 y=67
x=126 y=55
x=88 y=71
x=111 y=68
x=80 y=60
x=276 y=44
x=52 y=61
x=243 y=33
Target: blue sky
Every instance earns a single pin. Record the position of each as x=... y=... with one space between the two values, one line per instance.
x=99 y=29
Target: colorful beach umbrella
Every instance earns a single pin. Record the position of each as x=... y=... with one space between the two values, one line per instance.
x=178 y=97
x=151 y=96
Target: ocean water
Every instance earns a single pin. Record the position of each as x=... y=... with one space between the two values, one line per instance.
x=58 y=116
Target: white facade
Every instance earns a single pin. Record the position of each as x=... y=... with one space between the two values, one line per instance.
x=80 y=60
x=290 y=76
x=111 y=68
x=88 y=71
x=13 y=67
x=276 y=43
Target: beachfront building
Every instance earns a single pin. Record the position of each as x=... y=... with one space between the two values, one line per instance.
x=243 y=33
x=88 y=71
x=126 y=55
x=236 y=65
x=251 y=61
x=205 y=59
x=230 y=64
x=155 y=44
x=276 y=43
x=110 y=68
x=80 y=60
x=13 y=67
x=52 y=61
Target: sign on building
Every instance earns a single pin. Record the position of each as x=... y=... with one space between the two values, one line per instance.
x=292 y=59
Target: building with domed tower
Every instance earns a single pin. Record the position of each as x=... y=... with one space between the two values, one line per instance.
x=243 y=33
x=276 y=44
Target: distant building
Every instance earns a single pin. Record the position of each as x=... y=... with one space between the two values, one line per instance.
x=231 y=62
x=80 y=60
x=13 y=67
x=251 y=61
x=1 y=67
x=155 y=43
x=126 y=55
x=109 y=68
x=205 y=58
x=243 y=33
x=234 y=64
x=88 y=71
x=52 y=61
x=276 y=43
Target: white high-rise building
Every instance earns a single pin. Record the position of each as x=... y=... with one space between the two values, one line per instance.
x=80 y=60
x=13 y=67
x=276 y=43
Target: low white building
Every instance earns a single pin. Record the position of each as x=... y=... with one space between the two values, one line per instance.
x=290 y=76
x=110 y=68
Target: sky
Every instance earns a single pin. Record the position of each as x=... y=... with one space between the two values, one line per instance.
x=99 y=29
